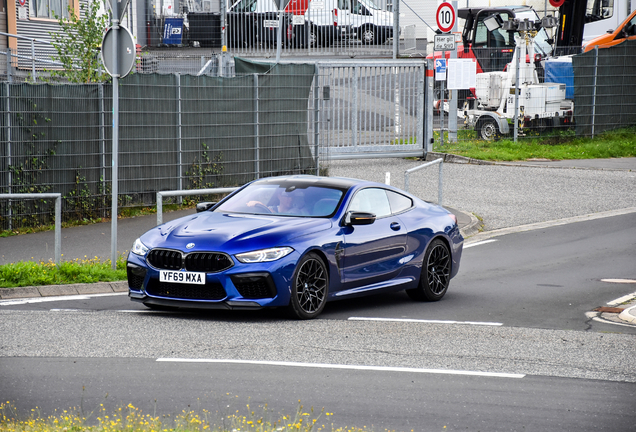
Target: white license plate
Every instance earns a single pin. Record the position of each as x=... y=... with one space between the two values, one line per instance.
x=270 y=23
x=547 y=115
x=183 y=277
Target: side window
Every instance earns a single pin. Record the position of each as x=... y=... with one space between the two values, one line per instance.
x=481 y=34
x=49 y=8
x=399 y=202
x=371 y=200
x=598 y=10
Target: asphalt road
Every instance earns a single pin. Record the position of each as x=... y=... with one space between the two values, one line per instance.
x=394 y=400
x=508 y=348
x=521 y=353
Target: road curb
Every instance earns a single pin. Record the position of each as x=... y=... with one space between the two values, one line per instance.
x=474 y=227
x=629 y=315
x=452 y=158
x=63 y=290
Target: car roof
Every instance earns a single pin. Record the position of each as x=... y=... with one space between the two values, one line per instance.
x=341 y=183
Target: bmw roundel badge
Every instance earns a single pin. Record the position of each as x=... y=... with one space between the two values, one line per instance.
x=189 y=245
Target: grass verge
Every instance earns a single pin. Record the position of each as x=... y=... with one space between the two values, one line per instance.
x=130 y=418
x=68 y=272
x=558 y=145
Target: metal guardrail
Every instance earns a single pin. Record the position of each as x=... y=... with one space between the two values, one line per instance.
x=175 y=193
x=58 y=216
x=440 y=182
x=32 y=58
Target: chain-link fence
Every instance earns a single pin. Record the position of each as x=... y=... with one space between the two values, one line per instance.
x=545 y=98
x=190 y=132
x=187 y=128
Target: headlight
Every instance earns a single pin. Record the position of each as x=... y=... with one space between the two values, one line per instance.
x=139 y=248
x=264 y=255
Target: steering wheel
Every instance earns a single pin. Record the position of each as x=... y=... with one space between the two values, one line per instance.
x=262 y=207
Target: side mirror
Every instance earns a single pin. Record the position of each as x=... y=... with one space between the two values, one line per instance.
x=359 y=218
x=205 y=206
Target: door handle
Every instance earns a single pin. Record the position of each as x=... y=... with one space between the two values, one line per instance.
x=395 y=226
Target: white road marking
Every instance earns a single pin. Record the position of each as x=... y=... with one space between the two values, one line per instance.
x=58 y=298
x=623 y=299
x=466 y=246
x=623 y=281
x=596 y=317
x=348 y=367
x=426 y=321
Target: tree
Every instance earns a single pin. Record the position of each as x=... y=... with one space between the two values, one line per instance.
x=78 y=44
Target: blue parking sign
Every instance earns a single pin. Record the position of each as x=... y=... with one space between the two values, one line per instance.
x=440 y=69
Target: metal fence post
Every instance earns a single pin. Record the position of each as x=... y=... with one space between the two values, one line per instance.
x=440 y=183
x=58 y=229
x=429 y=92
x=9 y=161
x=102 y=135
x=594 y=88
x=516 y=116
x=396 y=29
x=179 y=143
x=354 y=118
x=316 y=117
x=33 y=59
x=419 y=133
x=257 y=144
x=9 y=66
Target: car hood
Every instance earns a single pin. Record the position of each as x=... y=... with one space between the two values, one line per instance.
x=231 y=232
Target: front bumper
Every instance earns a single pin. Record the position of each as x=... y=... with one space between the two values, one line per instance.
x=243 y=286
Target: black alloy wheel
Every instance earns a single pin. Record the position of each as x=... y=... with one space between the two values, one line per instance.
x=436 y=271
x=310 y=286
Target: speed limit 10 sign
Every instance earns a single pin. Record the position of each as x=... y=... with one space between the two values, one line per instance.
x=445 y=17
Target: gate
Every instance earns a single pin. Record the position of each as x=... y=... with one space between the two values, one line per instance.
x=370 y=108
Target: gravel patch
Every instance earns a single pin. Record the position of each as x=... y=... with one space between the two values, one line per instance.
x=505 y=196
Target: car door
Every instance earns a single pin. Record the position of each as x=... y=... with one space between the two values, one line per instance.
x=372 y=253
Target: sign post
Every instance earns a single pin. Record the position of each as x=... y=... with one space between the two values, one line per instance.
x=118 y=55
x=445 y=17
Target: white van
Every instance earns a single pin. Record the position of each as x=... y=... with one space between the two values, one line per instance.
x=319 y=22
x=360 y=19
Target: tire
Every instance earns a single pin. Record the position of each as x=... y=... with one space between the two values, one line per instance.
x=543 y=125
x=488 y=129
x=367 y=36
x=436 y=271
x=309 y=288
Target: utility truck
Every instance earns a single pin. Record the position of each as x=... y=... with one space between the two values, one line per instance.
x=540 y=106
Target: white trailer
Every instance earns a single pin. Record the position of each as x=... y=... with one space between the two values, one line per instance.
x=540 y=105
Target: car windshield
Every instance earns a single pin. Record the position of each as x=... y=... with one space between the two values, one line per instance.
x=244 y=6
x=284 y=200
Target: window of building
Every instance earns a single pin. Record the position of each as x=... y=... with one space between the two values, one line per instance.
x=50 y=8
